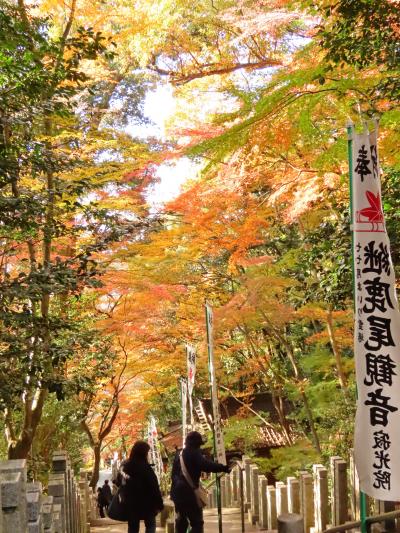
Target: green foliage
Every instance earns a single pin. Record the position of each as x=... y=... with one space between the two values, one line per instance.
x=59 y=428
x=288 y=461
x=242 y=434
x=391 y=206
x=364 y=33
x=337 y=432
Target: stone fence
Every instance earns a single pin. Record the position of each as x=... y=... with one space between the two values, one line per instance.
x=324 y=497
x=64 y=507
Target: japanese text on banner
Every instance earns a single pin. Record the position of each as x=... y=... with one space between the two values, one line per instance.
x=376 y=331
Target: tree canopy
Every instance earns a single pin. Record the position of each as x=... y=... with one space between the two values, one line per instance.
x=100 y=290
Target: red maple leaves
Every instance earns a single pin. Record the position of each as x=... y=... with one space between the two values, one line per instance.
x=374 y=212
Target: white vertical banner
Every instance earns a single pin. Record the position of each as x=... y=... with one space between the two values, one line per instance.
x=217 y=429
x=155 y=453
x=376 y=330
x=191 y=367
x=184 y=395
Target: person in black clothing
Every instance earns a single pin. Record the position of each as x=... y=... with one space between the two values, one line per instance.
x=106 y=493
x=101 y=503
x=186 y=507
x=142 y=492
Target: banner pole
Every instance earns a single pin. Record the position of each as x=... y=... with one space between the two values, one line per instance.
x=183 y=387
x=210 y=365
x=363 y=497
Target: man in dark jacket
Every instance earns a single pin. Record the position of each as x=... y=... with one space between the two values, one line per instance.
x=186 y=507
x=106 y=494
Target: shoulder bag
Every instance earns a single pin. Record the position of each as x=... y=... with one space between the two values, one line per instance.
x=200 y=492
x=118 y=508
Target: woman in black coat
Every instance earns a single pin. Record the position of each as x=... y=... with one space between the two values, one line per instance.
x=142 y=492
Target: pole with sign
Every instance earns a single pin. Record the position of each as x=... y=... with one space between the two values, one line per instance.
x=363 y=497
x=219 y=448
x=376 y=328
x=191 y=367
x=155 y=453
x=184 y=395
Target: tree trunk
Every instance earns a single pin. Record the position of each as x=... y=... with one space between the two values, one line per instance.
x=20 y=447
x=303 y=395
x=336 y=352
x=96 y=465
x=278 y=405
x=310 y=419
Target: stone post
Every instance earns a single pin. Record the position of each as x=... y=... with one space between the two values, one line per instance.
x=34 y=507
x=228 y=484
x=68 y=499
x=293 y=490
x=262 y=502
x=290 y=523
x=13 y=495
x=76 y=505
x=209 y=500
x=254 y=505
x=382 y=507
x=56 y=488
x=246 y=479
x=339 y=490
x=235 y=485
x=76 y=501
x=85 y=487
x=47 y=514
x=271 y=506
x=307 y=500
x=223 y=491
x=60 y=467
x=321 y=503
x=354 y=484
x=214 y=496
x=58 y=518
x=281 y=498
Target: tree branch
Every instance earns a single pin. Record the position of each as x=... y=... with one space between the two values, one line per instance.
x=181 y=79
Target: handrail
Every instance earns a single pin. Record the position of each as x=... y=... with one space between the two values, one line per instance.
x=369 y=520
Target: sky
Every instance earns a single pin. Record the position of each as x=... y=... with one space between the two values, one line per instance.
x=159 y=106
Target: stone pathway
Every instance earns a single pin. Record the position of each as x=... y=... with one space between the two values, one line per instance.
x=231 y=524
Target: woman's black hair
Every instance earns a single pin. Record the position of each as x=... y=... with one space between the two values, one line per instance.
x=139 y=451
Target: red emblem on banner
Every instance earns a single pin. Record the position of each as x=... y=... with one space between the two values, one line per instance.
x=373 y=214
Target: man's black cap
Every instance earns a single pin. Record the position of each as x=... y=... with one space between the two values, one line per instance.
x=194 y=438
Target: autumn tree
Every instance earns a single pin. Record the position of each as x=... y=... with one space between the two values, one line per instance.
x=263 y=91
x=48 y=167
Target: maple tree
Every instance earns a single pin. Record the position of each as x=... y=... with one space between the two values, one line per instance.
x=263 y=91
x=264 y=179
x=47 y=168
